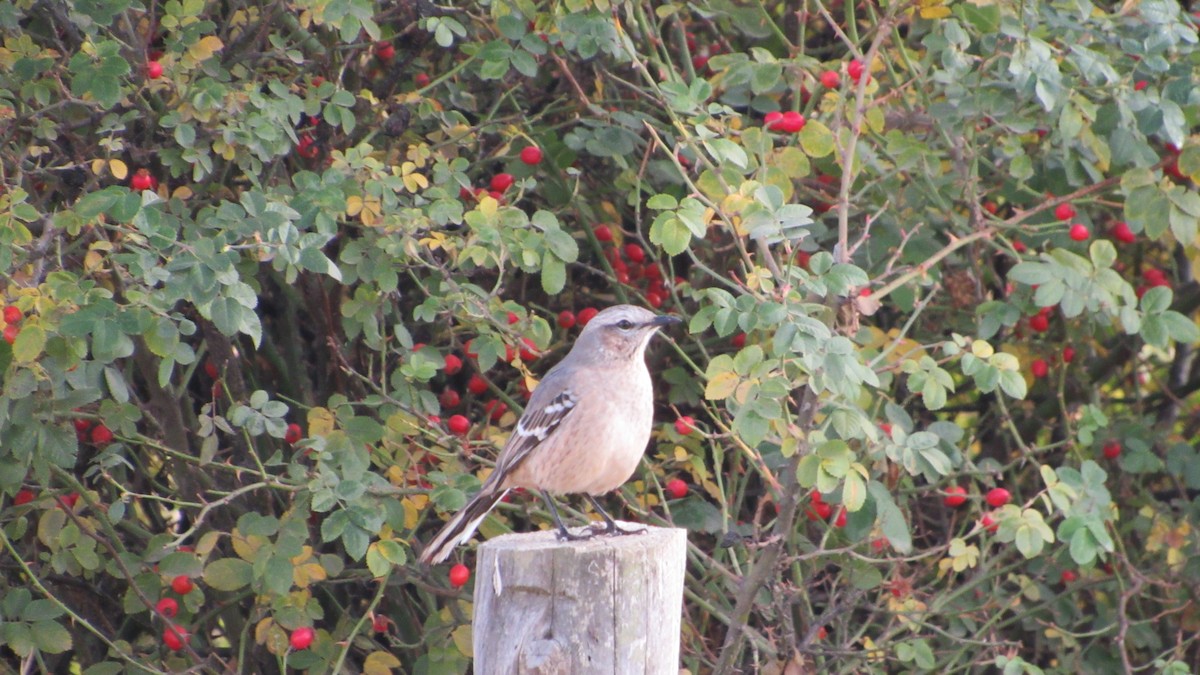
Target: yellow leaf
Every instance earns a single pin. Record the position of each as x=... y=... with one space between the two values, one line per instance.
x=721 y=386
x=434 y=241
x=320 y=421
x=462 y=640
x=412 y=512
x=380 y=663
x=681 y=453
x=205 y=48
x=118 y=169
x=305 y=575
x=93 y=260
x=246 y=547
x=940 y=12
x=182 y=192
x=354 y=205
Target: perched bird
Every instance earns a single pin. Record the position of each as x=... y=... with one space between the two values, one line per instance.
x=584 y=430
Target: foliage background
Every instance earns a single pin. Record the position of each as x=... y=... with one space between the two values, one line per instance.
x=861 y=297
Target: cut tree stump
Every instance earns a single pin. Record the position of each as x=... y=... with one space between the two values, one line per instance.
x=601 y=605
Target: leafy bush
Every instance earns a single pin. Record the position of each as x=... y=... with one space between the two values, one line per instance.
x=279 y=277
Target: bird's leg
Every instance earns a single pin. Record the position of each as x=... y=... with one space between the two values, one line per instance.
x=563 y=534
x=611 y=525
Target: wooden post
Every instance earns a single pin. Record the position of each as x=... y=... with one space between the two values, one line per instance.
x=602 y=605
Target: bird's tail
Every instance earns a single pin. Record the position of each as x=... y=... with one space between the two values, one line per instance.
x=462 y=525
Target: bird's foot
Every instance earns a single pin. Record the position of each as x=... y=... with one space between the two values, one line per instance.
x=611 y=529
x=566 y=535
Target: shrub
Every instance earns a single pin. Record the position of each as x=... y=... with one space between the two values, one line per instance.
x=244 y=241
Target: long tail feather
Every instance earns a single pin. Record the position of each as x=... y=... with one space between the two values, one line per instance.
x=461 y=526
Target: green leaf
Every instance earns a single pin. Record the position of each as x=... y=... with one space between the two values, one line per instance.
x=51 y=637
x=228 y=574
x=890 y=518
x=554 y=273
x=854 y=491
x=816 y=139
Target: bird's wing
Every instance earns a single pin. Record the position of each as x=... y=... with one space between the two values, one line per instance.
x=552 y=402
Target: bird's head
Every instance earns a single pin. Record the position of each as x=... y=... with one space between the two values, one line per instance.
x=621 y=332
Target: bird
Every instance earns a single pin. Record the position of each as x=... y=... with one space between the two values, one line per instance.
x=584 y=430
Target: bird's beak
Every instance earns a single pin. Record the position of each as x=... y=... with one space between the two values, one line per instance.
x=665 y=320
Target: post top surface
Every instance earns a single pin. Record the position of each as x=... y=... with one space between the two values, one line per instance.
x=548 y=539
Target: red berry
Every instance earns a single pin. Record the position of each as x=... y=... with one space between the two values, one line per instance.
x=302 y=638
x=307 y=147
x=495 y=409
x=529 y=351
x=792 y=122
x=385 y=50
x=676 y=488
x=586 y=314
x=819 y=511
x=453 y=364
x=174 y=637
x=1068 y=354
x=1079 y=232
x=772 y=119
x=997 y=497
x=502 y=181
x=989 y=523
x=1140 y=85
x=738 y=341
x=450 y=398
x=168 y=607
x=380 y=623
x=142 y=180
x=685 y=425
x=830 y=79
x=12 y=314
x=210 y=369
x=70 y=500
x=1039 y=323
x=531 y=155
x=886 y=428
x=699 y=62
x=477 y=385
x=421 y=80
x=1122 y=233
x=101 y=434
x=654 y=299
x=635 y=253
x=603 y=233
x=1019 y=246
x=10 y=333
x=1068 y=576
x=566 y=319
x=459 y=575
x=855 y=70
x=1039 y=368
x=458 y=425
x=182 y=584
x=293 y=434
x=840 y=521
x=956 y=495
x=23 y=497
x=991 y=207
x=1064 y=211
x=1112 y=449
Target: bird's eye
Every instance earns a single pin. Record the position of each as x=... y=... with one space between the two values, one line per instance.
x=624 y=324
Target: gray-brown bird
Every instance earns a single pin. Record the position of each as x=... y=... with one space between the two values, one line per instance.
x=584 y=430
